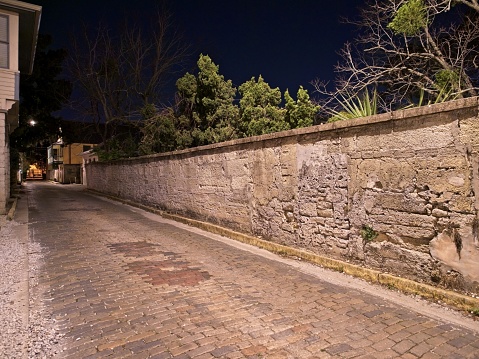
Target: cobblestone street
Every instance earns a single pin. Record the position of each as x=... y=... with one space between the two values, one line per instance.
x=124 y=283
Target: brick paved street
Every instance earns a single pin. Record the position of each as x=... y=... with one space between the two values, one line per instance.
x=125 y=284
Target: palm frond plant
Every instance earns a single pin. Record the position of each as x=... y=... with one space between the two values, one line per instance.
x=355 y=106
x=443 y=96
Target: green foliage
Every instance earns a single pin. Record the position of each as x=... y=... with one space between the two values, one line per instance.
x=259 y=109
x=206 y=110
x=159 y=131
x=355 y=107
x=443 y=96
x=302 y=112
x=447 y=80
x=410 y=18
x=368 y=234
x=186 y=88
x=118 y=147
x=339 y=116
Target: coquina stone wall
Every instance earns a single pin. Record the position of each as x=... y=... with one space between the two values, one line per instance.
x=396 y=192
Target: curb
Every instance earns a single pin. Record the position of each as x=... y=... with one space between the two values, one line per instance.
x=404 y=285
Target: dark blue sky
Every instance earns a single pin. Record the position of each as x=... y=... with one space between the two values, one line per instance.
x=290 y=43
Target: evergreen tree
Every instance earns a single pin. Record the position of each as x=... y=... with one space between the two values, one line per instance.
x=259 y=109
x=207 y=113
x=302 y=112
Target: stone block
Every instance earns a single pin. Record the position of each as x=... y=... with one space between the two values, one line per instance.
x=308 y=209
x=326 y=213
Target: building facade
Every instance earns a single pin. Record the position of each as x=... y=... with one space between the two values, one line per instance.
x=19 y=24
x=65 y=161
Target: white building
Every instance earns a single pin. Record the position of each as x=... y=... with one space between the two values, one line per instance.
x=19 y=24
x=88 y=157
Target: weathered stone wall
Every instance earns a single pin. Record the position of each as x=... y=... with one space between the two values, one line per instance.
x=411 y=177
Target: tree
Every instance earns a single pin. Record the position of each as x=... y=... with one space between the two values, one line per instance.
x=301 y=113
x=259 y=109
x=404 y=49
x=117 y=73
x=159 y=130
x=206 y=110
x=42 y=93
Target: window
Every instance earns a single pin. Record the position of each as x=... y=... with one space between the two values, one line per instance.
x=4 y=45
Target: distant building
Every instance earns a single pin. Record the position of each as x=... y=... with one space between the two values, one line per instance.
x=65 y=161
x=88 y=157
x=19 y=24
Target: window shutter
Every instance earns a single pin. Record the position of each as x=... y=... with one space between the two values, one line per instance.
x=3 y=28
x=3 y=41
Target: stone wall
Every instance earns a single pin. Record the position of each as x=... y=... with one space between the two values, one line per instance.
x=395 y=192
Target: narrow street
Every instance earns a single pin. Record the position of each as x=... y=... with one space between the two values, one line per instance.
x=124 y=283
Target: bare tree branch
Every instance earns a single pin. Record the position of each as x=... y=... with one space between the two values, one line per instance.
x=117 y=73
x=401 y=65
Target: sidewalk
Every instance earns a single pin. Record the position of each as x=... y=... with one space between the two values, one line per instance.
x=14 y=281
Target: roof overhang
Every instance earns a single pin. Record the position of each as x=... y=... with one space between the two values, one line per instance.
x=30 y=15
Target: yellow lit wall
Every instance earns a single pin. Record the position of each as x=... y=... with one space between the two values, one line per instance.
x=71 y=153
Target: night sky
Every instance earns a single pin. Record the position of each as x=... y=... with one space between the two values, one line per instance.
x=289 y=43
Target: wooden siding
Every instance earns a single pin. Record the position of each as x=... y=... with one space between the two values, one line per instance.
x=9 y=85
